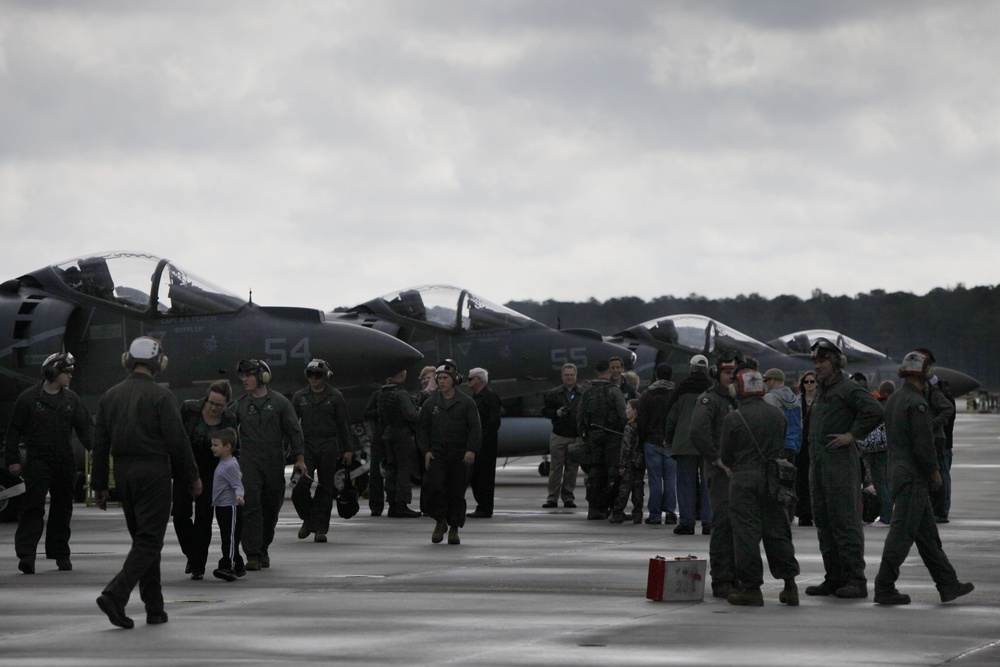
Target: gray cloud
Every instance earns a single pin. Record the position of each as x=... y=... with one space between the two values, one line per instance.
x=325 y=153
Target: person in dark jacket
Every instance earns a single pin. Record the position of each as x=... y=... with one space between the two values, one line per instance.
x=913 y=473
x=616 y=367
x=484 y=470
x=807 y=395
x=322 y=413
x=378 y=494
x=139 y=424
x=842 y=414
x=449 y=436
x=203 y=418
x=560 y=407
x=661 y=467
x=44 y=418
x=691 y=482
x=398 y=416
x=752 y=437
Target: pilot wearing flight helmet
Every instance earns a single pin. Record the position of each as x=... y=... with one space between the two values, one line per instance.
x=44 y=418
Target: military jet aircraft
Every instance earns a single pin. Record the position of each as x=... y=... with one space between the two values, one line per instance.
x=876 y=366
x=673 y=339
x=524 y=357
x=93 y=306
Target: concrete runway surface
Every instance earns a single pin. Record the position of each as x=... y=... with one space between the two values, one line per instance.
x=527 y=587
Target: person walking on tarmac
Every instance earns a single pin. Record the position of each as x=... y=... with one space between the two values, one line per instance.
x=752 y=437
x=44 y=418
x=600 y=421
x=203 y=418
x=449 y=436
x=322 y=413
x=710 y=409
x=913 y=474
x=842 y=414
x=398 y=415
x=266 y=421
x=139 y=424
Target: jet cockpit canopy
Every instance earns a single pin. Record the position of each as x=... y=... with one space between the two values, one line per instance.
x=450 y=307
x=142 y=282
x=701 y=335
x=801 y=342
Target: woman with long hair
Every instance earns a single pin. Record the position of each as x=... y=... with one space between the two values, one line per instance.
x=807 y=392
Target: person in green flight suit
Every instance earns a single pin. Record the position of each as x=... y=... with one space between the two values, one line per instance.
x=752 y=437
x=913 y=474
x=710 y=410
x=842 y=414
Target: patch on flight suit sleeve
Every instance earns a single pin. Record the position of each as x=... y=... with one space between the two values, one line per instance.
x=921 y=408
x=705 y=400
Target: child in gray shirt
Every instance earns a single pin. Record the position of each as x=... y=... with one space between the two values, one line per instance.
x=227 y=499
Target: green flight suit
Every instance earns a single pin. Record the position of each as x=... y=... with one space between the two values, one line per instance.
x=398 y=414
x=841 y=406
x=600 y=421
x=912 y=464
x=709 y=412
x=756 y=514
x=265 y=425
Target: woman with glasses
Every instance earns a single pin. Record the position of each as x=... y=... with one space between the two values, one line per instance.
x=807 y=394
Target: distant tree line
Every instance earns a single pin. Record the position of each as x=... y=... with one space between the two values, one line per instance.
x=959 y=325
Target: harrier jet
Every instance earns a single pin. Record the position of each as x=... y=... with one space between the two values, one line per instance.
x=524 y=357
x=93 y=307
x=874 y=364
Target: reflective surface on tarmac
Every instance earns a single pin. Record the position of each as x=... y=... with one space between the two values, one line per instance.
x=528 y=587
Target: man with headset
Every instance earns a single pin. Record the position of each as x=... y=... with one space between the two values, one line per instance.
x=913 y=474
x=266 y=422
x=710 y=410
x=44 y=418
x=842 y=414
x=322 y=414
x=139 y=424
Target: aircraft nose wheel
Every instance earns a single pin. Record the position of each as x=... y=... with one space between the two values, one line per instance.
x=544 y=467
x=10 y=506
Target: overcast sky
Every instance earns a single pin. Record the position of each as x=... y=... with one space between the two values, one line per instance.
x=323 y=153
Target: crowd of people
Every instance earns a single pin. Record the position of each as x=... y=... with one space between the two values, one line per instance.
x=721 y=447
x=744 y=453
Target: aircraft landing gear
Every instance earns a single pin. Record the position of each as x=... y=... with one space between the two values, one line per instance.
x=544 y=467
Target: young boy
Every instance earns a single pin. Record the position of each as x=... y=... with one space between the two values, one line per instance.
x=227 y=497
x=631 y=469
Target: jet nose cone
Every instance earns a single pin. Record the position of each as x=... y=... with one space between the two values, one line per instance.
x=959 y=383
x=360 y=355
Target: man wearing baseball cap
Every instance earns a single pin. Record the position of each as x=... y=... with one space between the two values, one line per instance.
x=677 y=437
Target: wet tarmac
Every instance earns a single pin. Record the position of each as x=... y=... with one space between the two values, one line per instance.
x=527 y=587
